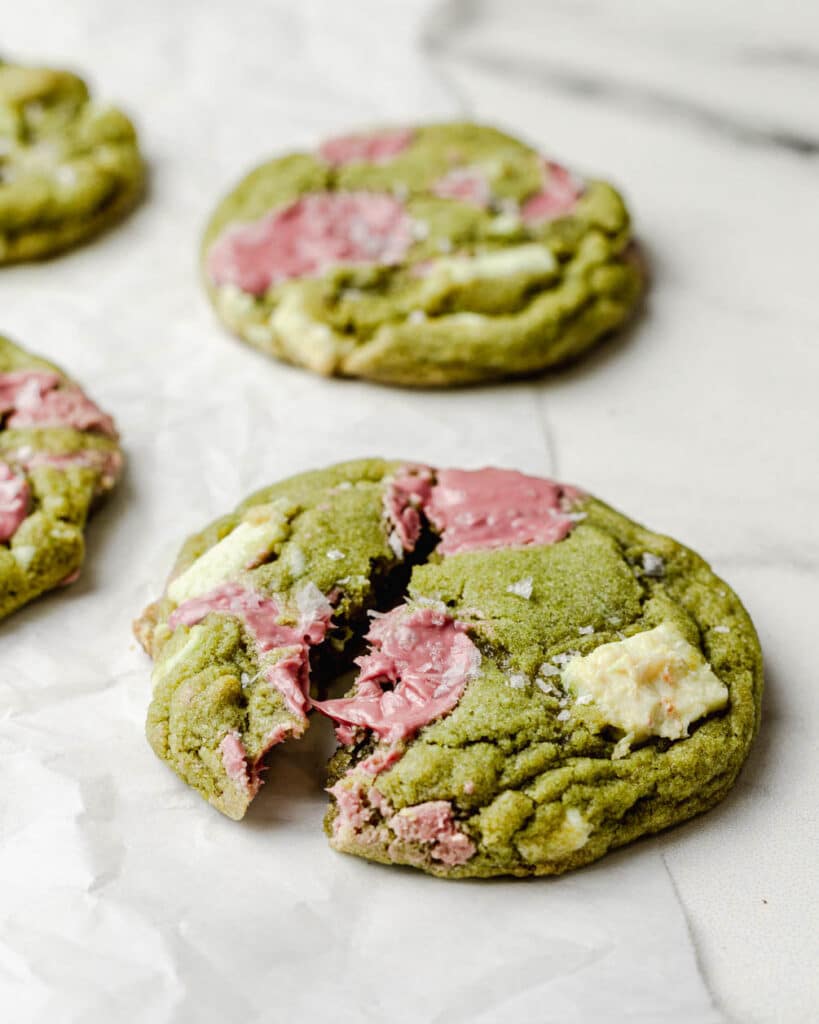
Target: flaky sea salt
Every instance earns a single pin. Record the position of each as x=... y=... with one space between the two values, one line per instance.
x=563 y=716
x=549 y=670
x=521 y=588
x=653 y=565
x=311 y=603
x=585 y=630
x=518 y=681
x=722 y=629
x=565 y=658
x=395 y=544
x=296 y=560
x=335 y=555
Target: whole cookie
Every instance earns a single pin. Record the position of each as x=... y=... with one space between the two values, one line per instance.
x=59 y=454
x=545 y=679
x=435 y=255
x=68 y=166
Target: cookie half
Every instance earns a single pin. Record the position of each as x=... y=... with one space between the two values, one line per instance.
x=545 y=679
x=59 y=454
x=69 y=167
x=435 y=255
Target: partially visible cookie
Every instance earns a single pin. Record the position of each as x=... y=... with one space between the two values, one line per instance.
x=59 y=454
x=435 y=255
x=69 y=167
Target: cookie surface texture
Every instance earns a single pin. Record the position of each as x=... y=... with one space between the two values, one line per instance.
x=69 y=167
x=544 y=679
x=59 y=454
x=438 y=255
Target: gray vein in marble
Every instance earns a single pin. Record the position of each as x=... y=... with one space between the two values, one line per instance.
x=781 y=56
x=637 y=98
x=694 y=944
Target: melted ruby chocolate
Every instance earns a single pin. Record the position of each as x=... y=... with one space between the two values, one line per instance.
x=560 y=192
x=35 y=399
x=307 y=238
x=497 y=508
x=14 y=499
x=424 y=658
x=467 y=184
x=375 y=148
x=407 y=493
x=259 y=615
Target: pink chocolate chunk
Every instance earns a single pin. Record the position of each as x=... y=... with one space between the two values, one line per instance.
x=433 y=823
x=354 y=810
x=310 y=236
x=468 y=184
x=14 y=498
x=498 y=508
x=372 y=148
x=560 y=192
x=417 y=672
x=35 y=399
x=407 y=492
x=291 y=674
x=234 y=759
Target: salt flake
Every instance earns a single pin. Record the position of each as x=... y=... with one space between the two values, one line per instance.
x=653 y=565
x=521 y=588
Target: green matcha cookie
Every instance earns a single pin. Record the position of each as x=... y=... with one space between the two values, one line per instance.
x=436 y=255
x=58 y=455
x=545 y=679
x=68 y=166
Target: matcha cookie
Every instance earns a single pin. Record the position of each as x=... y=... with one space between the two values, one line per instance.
x=58 y=455
x=69 y=167
x=545 y=679
x=437 y=255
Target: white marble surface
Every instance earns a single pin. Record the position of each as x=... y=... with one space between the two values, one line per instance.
x=119 y=898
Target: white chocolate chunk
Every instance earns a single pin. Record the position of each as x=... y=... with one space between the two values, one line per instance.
x=166 y=665
x=530 y=260
x=251 y=540
x=651 y=684
x=300 y=336
x=572 y=834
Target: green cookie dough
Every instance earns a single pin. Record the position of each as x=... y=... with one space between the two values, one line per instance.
x=59 y=454
x=458 y=255
x=69 y=167
x=580 y=680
